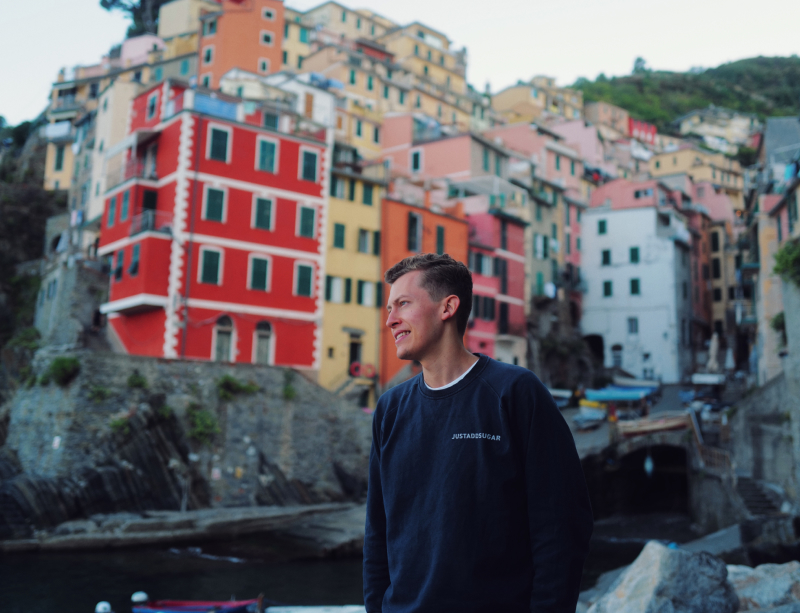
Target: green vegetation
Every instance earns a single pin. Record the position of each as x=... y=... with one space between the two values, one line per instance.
x=165 y=411
x=98 y=393
x=25 y=338
x=143 y=14
x=787 y=262
x=120 y=426
x=229 y=386
x=137 y=380
x=62 y=370
x=767 y=86
x=203 y=424
x=778 y=323
x=289 y=392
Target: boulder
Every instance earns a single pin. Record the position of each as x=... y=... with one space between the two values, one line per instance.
x=767 y=586
x=664 y=580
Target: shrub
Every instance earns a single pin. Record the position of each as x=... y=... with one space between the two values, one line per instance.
x=787 y=262
x=120 y=426
x=137 y=380
x=203 y=424
x=44 y=379
x=98 y=393
x=289 y=392
x=778 y=323
x=165 y=411
x=62 y=370
x=229 y=386
x=27 y=338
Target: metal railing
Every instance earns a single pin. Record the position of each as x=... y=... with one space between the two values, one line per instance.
x=712 y=459
x=132 y=169
x=151 y=221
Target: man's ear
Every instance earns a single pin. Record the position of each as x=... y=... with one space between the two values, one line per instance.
x=450 y=306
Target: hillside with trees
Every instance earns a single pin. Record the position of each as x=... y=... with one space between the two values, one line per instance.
x=767 y=86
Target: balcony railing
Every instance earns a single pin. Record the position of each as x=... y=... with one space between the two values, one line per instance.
x=66 y=103
x=132 y=169
x=151 y=221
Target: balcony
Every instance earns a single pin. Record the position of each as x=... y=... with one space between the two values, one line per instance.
x=58 y=132
x=132 y=169
x=151 y=221
x=65 y=104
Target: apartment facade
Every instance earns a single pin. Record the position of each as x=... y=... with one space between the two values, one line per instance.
x=606 y=114
x=723 y=172
x=213 y=228
x=526 y=102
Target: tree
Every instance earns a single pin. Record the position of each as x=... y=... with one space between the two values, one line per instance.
x=639 y=66
x=143 y=13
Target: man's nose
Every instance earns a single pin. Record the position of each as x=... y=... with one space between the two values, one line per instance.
x=391 y=319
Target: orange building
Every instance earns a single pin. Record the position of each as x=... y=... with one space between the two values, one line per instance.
x=407 y=229
x=246 y=34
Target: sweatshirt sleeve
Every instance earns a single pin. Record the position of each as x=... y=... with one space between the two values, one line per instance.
x=559 y=511
x=376 y=564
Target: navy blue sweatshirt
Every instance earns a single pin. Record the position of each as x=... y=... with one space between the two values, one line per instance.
x=476 y=500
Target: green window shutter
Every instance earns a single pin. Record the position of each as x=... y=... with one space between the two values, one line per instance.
x=634 y=255
x=601 y=226
x=555 y=231
x=360 y=292
x=123 y=213
x=214 y=204
x=266 y=156
x=210 y=272
x=440 y=240
x=307 y=216
x=258 y=276
x=338 y=235
x=348 y=290
x=634 y=287
x=606 y=257
x=328 y=287
x=304 y=274
x=263 y=213
x=376 y=243
x=219 y=145
x=271 y=121
x=546 y=247
x=59 y=163
x=352 y=77
x=112 y=212
x=379 y=295
x=558 y=162
x=367 y=196
x=539 y=284
x=351 y=194
x=134 y=269
x=334 y=185
x=309 y=166
x=607 y=288
x=538 y=212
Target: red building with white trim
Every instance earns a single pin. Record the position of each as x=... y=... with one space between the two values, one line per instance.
x=214 y=226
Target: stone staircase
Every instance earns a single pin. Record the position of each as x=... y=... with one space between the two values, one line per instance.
x=757 y=501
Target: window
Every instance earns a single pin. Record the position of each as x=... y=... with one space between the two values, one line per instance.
x=210 y=266
x=271 y=121
x=601 y=226
x=266 y=38
x=367 y=193
x=716 y=269
x=414 y=242
x=334 y=289
x=425 y=69
x=486 y=159
x=151 y=105
x=184 y=67
x=376 y=242
x=365 y=293
x=416 y=49
x=717 y=294
x=606 y=257
x=386 y=92
x=568 y=243
x=363 y=241
x=208 y=55
x=306 y=222
x=607 y=289
x=218 y=145
x=633 y=325
x=370 y=83
x=210 y=27
x=418 y=102
x=635 y=287
x=616 y=356
x=731 y=293
x=643 y=193
x=344 y=16
x=214 y=209
x=358 y=23
x=123 y=210
x=351 y=191
x=572 y=167
x=359 y=127
x=658 y=164
x=262 y=218
x=558 y=162
x=416 y=161
x=309 y=166
x=268 y=14
x=498 y=165
x=352 y=77
x=206 y=81
x=376 y=134
x=263 y=66
x=112 y=212
x=303 y=277
x=634 y=255
x=259 y=274
x=338 y=235
x=440 y=240
x=119 y=267
x=59 y=162
x=714 y=241
x=267 y=157
x=578 y=244
x=303 y=35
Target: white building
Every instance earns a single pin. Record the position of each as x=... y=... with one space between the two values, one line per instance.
x=637 y=265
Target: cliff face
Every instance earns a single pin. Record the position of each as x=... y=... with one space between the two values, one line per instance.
x=171 y=436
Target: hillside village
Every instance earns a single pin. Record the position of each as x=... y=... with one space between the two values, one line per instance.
x=239 y=201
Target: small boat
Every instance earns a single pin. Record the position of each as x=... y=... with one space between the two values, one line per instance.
x=592 y=404
x=628 y=382
x=618 y=394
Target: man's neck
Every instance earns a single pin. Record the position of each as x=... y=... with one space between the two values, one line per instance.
x=446 y=365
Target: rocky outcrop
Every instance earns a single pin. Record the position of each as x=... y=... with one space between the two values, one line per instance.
x=663 y=579
x=168 y=438
x=767 y=586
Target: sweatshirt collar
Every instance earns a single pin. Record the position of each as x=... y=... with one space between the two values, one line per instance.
x=473 y=374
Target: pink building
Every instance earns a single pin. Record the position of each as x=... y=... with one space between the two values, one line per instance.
x=642 y=131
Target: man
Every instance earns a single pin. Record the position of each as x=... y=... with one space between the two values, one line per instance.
x=476 y=500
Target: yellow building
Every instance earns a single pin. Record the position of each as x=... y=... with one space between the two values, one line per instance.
x=528 y=101
x=346 y=22
x=724 y=172
x=297 y=32
x=179 y=25
x=354 y=313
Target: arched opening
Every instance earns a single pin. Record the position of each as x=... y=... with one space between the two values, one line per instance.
x=263 y=343
x=595 y=344
x=223 y=339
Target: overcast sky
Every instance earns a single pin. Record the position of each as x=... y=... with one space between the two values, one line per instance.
x=507 y=39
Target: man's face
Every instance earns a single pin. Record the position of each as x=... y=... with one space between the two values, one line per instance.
x=414 y=318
